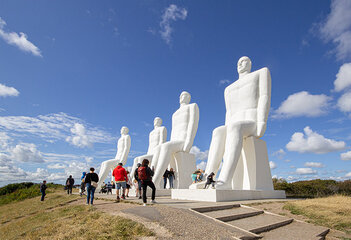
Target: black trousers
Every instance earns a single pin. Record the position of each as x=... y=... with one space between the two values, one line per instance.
x=69 y=189
x=144 y=185
x=42 y=195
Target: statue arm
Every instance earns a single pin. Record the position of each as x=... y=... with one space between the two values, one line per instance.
x=194 y=115
x=264 y=101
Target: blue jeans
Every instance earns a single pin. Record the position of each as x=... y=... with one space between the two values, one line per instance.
x=171 y=181
x=90 y=194
x=42 y=195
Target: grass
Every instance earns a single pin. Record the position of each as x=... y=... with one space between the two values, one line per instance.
x=333 y=212
x=56 y=219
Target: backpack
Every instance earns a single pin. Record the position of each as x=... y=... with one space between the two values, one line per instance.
x=142 y=173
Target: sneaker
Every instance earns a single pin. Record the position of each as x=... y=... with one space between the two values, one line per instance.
x=139 y=197
x=118 y=199
x=123 y=197
x=153 y=201
x=144 y=204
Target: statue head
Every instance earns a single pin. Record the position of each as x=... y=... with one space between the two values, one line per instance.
x=157 y=122
x=184 y=97
x=244 y=65
x=124 y=130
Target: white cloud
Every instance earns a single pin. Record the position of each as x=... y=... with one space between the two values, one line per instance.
x=199 y=155
x=279 y=154
x=313 y=142
x=79 y=137
x=343 y=78
x=314 y=164
x=272 y=165
x=346 y=156
x=171 y=14
x=336 y=28
x=305 y=171
x=348 y=174
x=56 y=166
x=224 y=81
x=344 y=102
x=303 y=104
x=292 y=178
x=26 y=152
x=6 y=91
x=201 y=165
x=19 y=40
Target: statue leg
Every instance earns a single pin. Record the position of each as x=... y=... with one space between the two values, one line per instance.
x=136 y=161
x=216 y=151
x=106 y=166
x=156 y=156
x=166 y=154
x=233 y=146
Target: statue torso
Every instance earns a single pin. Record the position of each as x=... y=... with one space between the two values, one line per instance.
x=155 y=138
x=241 y=98
x=180 y=122
x=121 y=145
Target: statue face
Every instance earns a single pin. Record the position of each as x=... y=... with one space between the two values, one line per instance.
x=244 y=65
x=124 y=130
x=184 y=98
x=157 y=122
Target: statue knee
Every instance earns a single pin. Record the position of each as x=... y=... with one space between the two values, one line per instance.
x=235 y=127
x=219 y=131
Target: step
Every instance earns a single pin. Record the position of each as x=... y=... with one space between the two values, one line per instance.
x=261 y=223
x=215 y=208
x=297 y=231
x=233 y=213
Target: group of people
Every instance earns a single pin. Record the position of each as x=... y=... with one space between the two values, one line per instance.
x=198 y=176
x=168 y=176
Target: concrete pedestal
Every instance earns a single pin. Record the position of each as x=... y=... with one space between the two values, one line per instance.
x=159 y=192
x=214 y=195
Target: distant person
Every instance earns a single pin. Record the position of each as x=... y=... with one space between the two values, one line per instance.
x=69 y=184
x=199 y=175
x=194 y=176
x=121 y=178
x=128 y=184
x=109 y=188
x=145 y=175
x=42 y=190
x=113 y=185
x=165 y=178
x=138 y=180
x=171 y=177
x=210 y=180
x=91 y=180
x=82 y=184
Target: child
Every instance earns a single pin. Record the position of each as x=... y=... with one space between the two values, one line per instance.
x=210 y=180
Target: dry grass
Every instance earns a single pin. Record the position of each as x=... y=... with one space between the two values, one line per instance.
x=333 y=212
x=55 y=219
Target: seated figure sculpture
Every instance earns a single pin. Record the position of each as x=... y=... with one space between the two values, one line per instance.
x=184 y=127
x=247 y=103
x=123 y=147
x=156 y=137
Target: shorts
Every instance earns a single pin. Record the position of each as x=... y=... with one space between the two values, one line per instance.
x=128 y=186
x=121 y=184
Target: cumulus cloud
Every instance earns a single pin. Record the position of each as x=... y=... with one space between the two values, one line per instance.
x=313 y=142
x=336 y=28
x=303 y=104
x=201 y=165
x=6 y=91
x=348 y=174
x=272 y=165
x=344 y=102
x=19 y=40
x=26 y=152
x=314 y=164
x=346 y=156
x=279 y=154
x=305 y=171
x=343 y=78
x=199 y=155
x=56 y=166
x=79 y=137
x=171 y=14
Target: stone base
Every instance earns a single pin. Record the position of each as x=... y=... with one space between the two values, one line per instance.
x=159 y=192
x=214 y=195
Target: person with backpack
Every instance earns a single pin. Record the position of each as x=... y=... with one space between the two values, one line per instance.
x=121 y=178
x=42 y=190
x=136 y=178
x=69 y=184
x=91 y=180
x=145 y=175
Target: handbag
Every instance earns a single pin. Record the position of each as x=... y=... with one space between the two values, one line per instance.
x=94 y=184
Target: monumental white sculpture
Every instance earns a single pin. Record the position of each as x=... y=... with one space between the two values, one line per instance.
x=123 y=147
x=175 y=153
x=156 y=137
x=245 y=160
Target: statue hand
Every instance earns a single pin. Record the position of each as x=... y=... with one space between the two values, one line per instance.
x=261 y=128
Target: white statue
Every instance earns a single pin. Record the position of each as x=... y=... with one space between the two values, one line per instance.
x=156 y=137
x=247 y=102
x=123 y=147
x=184 y=127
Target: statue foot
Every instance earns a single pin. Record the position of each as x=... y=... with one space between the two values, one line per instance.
x=223 y=186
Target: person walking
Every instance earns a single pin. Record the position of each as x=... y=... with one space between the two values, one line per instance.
x=109 y=188
x=138 y=180
x=82 y=184
x=121 y=178
x=165 y=177
x=145 y=175
x=69 y=184
x=210 y=180
x=171 y=178
x=42 y=190
x=91 y=180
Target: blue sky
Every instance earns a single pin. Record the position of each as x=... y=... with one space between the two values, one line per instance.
x=74 y=72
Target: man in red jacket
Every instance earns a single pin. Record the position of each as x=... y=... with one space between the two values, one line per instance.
x=121 y=178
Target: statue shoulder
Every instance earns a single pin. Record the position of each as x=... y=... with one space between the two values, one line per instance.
x=264 y=70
